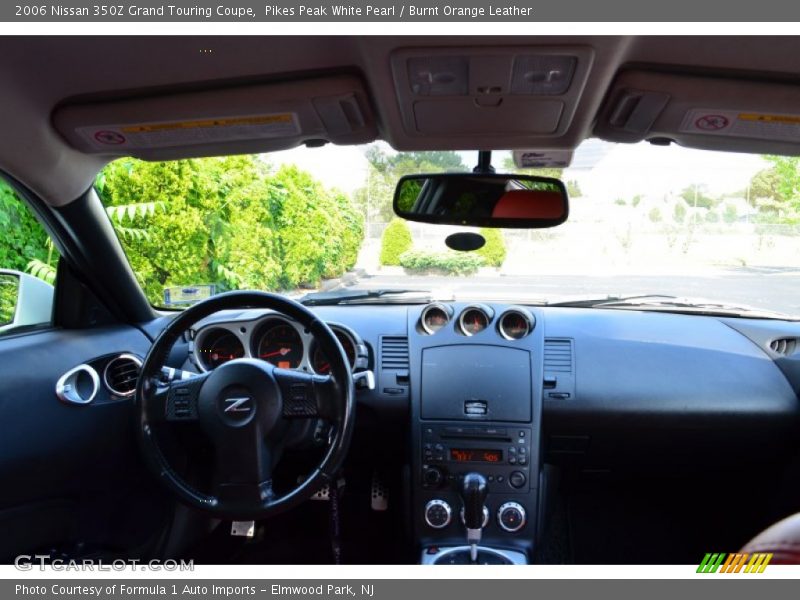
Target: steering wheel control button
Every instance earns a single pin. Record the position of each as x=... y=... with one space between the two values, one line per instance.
x=511 y=517
x=300 y=402
x=182 y=399
x=517 y=479
x=438 y=514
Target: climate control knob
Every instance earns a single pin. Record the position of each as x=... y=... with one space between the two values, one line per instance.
x=511 y=517
x=438 y=514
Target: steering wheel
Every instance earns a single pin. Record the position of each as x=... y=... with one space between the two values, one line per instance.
x=245 y=407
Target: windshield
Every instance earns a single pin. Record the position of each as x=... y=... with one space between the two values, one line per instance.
x=644 y=220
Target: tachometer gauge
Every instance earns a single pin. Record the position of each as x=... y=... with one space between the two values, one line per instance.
x=434 y=317
x=218 y=346
x=321 y=364
x=281 y=345
x=473 y=319
x=515 y=324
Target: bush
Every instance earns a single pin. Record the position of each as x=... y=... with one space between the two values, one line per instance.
x=396 y=240
x=453 y=263
x=232 y=222
x=494 y=250
x=655 y=214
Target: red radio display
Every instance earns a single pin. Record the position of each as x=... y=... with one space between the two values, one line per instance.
x=476 y=455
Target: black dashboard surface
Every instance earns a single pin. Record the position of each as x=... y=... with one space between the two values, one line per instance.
x=638 y=388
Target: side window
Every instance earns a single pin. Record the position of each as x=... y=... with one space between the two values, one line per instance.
x=28 y=262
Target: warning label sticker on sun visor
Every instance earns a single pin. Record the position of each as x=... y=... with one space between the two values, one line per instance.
x=734 y=123
x=178 y=133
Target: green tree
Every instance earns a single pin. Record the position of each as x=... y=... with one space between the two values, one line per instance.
x=385 y=169
x=494 y=250
x=396 y=240
x=232 y=222
x=24 y=240
x=574 y=189
x=697 y=196
x=730 y=215
x=655 y=214
x=775 y=191
x=679 y=212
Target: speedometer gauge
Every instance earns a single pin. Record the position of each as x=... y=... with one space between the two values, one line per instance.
x=281 y=345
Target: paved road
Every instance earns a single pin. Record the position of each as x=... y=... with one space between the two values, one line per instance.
x=771 y=289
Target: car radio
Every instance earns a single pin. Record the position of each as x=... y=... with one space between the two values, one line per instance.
x=500 y=453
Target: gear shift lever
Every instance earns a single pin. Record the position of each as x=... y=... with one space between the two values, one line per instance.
x=473 y=492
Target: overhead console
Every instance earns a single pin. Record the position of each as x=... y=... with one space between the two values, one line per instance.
x=250 y=118
x=702 y=112
x=513 y=92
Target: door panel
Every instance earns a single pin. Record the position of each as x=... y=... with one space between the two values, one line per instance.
x=70 y=474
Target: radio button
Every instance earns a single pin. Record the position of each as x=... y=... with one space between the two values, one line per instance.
x=432 y=477
x=517 y=479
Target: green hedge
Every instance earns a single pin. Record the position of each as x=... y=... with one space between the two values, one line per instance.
x=494 y=250
x=395 y=241
x=453 y=263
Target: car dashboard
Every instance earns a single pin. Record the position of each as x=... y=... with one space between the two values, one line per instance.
x=510 y=391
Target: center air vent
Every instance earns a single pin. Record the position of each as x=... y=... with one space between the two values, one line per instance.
x=394 y=353
x=784 y=346
x=557 y=356
x=121 y=374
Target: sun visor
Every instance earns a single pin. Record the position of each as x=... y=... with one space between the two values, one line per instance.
x=736 y=115
x=246 y=119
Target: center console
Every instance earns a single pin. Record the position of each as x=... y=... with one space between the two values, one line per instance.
x=476 y=417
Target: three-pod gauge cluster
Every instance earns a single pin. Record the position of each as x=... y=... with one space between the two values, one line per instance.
x=512 y=324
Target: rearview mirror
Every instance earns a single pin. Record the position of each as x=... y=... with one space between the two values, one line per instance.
x=482 y=200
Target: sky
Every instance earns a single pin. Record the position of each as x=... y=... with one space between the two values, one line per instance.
x=603 y=170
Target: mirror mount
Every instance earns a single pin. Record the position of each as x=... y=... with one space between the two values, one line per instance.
x=484 y=165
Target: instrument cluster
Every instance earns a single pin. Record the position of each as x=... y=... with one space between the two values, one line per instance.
x=275 y=339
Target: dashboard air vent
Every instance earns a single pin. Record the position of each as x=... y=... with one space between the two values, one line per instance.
x=121 y=374
x=558 y=356
x=394 y=353
x=785 y=346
